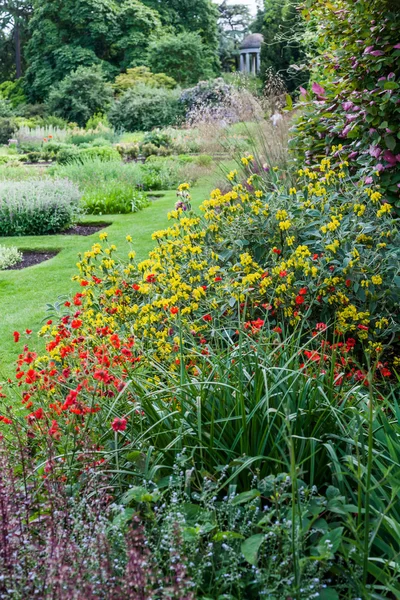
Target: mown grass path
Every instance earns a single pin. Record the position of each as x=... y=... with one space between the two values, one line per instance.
x=25 y=293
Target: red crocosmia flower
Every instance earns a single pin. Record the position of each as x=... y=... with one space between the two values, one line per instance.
x=385 y=372
x=54 y=429
x=282 y=273
x=300 y=299
x=321 y=326
x=151 y=278
x=204 y=287
x=362 y=327
x=207 y=318
x=136 y=286
x=84 y=283
x=49 y=322
x=31 y=376
x=28 y=331
x=277 y=329
x=16 y=336
x=76 y=323
x=5 y=420
x=102 y=375
x=303 y=291
x=264 y=275
x=348 y=282
x=119 y=424
x=315 y=257
x=218 y=278
x=258 y=323
x=67 y=304
x=174 y=310
x=276 y=251
x=36 y=415
x=350 y=343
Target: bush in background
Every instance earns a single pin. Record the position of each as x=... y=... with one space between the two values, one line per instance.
x=8 y=127
x=37 y=207
x=109 y=198
x=182 y=56
x=80 y=95
x=142 y=75
x=142 y=108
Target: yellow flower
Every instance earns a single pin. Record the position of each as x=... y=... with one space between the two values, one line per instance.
x=376 y=279
x=128 y=238
x=103 y=236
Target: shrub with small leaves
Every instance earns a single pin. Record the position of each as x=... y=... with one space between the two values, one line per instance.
x=9 y=257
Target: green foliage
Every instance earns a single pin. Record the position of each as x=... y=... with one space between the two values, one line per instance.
x=67 y=34
x=355 y=97
x=96 y=121
x=9 y=256
x=200 y=17
x=80 y=95
x=143 y=108
x=183 y=57
x=13 y=91
x=8 y=127
x=143 y=75
x=114 y=197
x=35 y=207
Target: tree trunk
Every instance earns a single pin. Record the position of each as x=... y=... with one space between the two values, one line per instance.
x=17 y=39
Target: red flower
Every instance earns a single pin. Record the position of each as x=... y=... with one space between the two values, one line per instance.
x=321 y=326
x=36 y=415
x=217 y=278
x=84 y=283
x=282 y=273
x=348 y=282
x=362 y=327
x=151 y=278
x=174 y=310
x=276 y=251
x=300 y=299
x=5 y=420
x=303 y=291
x=207 y=318
x=28 y=331
x=136 y=286
x=277 y=329
x=119 y=424
x=16 y=336
x=54 y=429
x=76 y=323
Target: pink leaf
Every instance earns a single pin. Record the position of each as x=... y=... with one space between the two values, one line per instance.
x=318 y=89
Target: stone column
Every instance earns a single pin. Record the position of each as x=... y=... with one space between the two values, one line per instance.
x=242 y=66
x=248 y=57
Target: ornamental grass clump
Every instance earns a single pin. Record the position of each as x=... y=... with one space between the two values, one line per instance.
x=37 y=207
x=9 y=257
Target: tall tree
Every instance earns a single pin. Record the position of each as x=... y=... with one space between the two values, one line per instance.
x=14 y=17
x=69 y=33
x=199 y=16
x=283 y=31
x=233 y=24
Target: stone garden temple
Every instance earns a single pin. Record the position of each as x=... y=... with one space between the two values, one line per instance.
x=250 y=54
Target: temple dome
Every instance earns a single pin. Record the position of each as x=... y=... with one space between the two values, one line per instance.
x=254 y=40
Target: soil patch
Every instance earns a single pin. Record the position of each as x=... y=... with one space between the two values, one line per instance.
x=85 y=229
x=33 y=257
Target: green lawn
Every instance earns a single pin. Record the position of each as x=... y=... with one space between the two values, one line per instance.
x=24 y=294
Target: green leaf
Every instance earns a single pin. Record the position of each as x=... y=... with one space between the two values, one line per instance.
x=330 y=542
x=289 y=102
x=245 y=497
x=328 y=594
x=390 y=142
x=390 y=85
x=222 y=536
x=139 y=494
x=251 y=546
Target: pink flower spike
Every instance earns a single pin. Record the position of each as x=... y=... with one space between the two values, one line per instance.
x=396 y=47
x=377 y=53
x=368 y=50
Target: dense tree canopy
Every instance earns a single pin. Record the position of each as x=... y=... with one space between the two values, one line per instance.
x=66 y=34
x=14 y=18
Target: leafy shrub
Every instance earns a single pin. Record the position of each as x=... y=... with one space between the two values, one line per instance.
x=80 y=95
x=110 y=198
x=355 y=98
x=150 y=149
x=142 y=75
x=128 y=151
x=13 y=91
x=5 y=108
x=9 y=257
x=182 y=56
x=37 y=207
x=8 y=128
x=103 y=153
x=158 y=138
x=143 y=108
